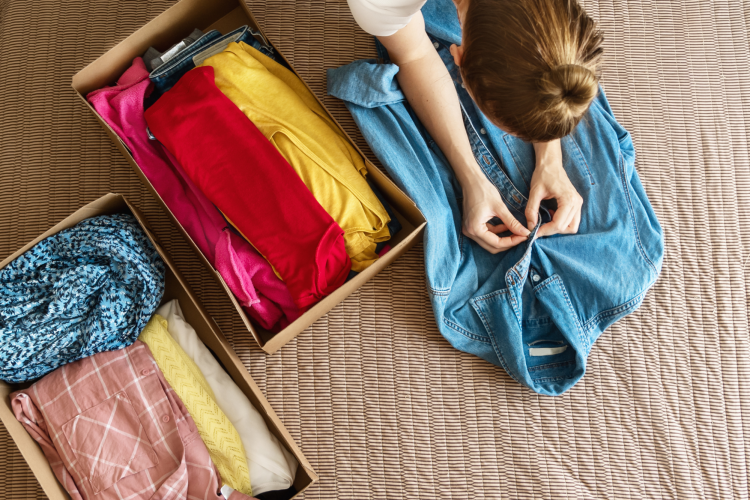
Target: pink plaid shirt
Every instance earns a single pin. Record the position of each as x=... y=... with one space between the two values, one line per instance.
x=112 y=428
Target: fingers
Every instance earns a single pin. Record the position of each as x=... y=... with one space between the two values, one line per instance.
x=566 y=219
x=559 y=222
x=573 y=227
x=486 y=236
x=483 y=224
x=484 y=244
x=532 y=207
x=494 y=244
x=507 y=242
x=511 y=223
x=500 y=228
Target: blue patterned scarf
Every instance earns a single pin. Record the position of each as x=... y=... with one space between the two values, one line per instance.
x=87 y=289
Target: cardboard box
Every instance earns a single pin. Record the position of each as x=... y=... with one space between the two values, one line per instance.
x=225 y=15
x=175 y=288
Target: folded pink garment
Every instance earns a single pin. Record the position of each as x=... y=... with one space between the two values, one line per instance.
x=241 y=270
x=250 y=277
x=111 y=427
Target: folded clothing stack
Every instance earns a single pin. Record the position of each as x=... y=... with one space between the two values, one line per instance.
x=263 y=295
x=252 y=184
x=290 y=117
x=298 y=210
x=272 y=466
x=112 y=427
x=115 y=416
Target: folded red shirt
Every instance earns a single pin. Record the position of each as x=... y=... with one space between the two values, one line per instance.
x=242 y=173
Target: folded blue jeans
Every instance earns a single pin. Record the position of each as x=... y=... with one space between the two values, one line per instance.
x=165 y=76
x=153 y=58
x=536 y=309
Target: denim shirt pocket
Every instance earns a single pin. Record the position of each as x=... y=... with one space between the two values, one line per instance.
x=557 y=372
x=547 y=354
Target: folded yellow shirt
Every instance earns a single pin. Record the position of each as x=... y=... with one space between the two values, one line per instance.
x=221 y=438
x=287 y=113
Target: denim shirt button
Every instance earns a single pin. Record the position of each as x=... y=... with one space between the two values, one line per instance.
x=462 y=85
x=483 y=131
x=436 y=44
x=536 y=278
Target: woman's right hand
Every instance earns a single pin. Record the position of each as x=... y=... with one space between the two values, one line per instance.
x=482 y=202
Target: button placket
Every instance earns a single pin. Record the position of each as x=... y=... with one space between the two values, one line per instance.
x=512 y=196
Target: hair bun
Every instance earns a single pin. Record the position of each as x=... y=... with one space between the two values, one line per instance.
x=571 y=87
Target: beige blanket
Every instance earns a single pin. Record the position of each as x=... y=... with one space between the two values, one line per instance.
x=381 y=405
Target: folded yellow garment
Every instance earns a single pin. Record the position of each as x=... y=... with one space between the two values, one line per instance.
x=221 y=438
x=287 y=113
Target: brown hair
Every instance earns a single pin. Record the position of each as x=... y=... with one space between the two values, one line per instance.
x=531 y=65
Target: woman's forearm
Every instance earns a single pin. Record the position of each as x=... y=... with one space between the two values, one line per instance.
x=430 y=91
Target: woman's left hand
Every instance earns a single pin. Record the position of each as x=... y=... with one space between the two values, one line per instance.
x=551 y=181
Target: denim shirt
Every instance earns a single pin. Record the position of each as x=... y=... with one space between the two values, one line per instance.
x=537 y=308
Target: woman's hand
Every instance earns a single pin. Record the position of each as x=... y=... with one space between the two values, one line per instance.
x=430 y=90
x=551 y=181
x=482 y=202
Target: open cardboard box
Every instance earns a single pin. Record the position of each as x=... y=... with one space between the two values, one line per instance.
x=225 y=15
x=175 y=288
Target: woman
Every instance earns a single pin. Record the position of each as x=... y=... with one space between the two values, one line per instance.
x=525 y=72
x=531 y=67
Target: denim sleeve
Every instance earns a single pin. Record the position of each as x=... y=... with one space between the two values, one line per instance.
x=394 y=138
x=648 y=232
x=623 y=136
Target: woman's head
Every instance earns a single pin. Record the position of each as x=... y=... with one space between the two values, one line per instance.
x=531 y=65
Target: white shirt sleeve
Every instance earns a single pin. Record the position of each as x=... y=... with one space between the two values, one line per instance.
x=384 y=17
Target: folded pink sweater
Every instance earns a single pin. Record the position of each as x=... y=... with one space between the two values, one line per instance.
x=250 y=277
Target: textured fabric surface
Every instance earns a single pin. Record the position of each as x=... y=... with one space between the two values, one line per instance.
x=272 y=466
x=186 y=379
x=298 y=127
x=86 y=289
x=113 y=428
x=380 y=403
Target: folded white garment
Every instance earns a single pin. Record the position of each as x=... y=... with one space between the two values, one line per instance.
x=272 y=466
